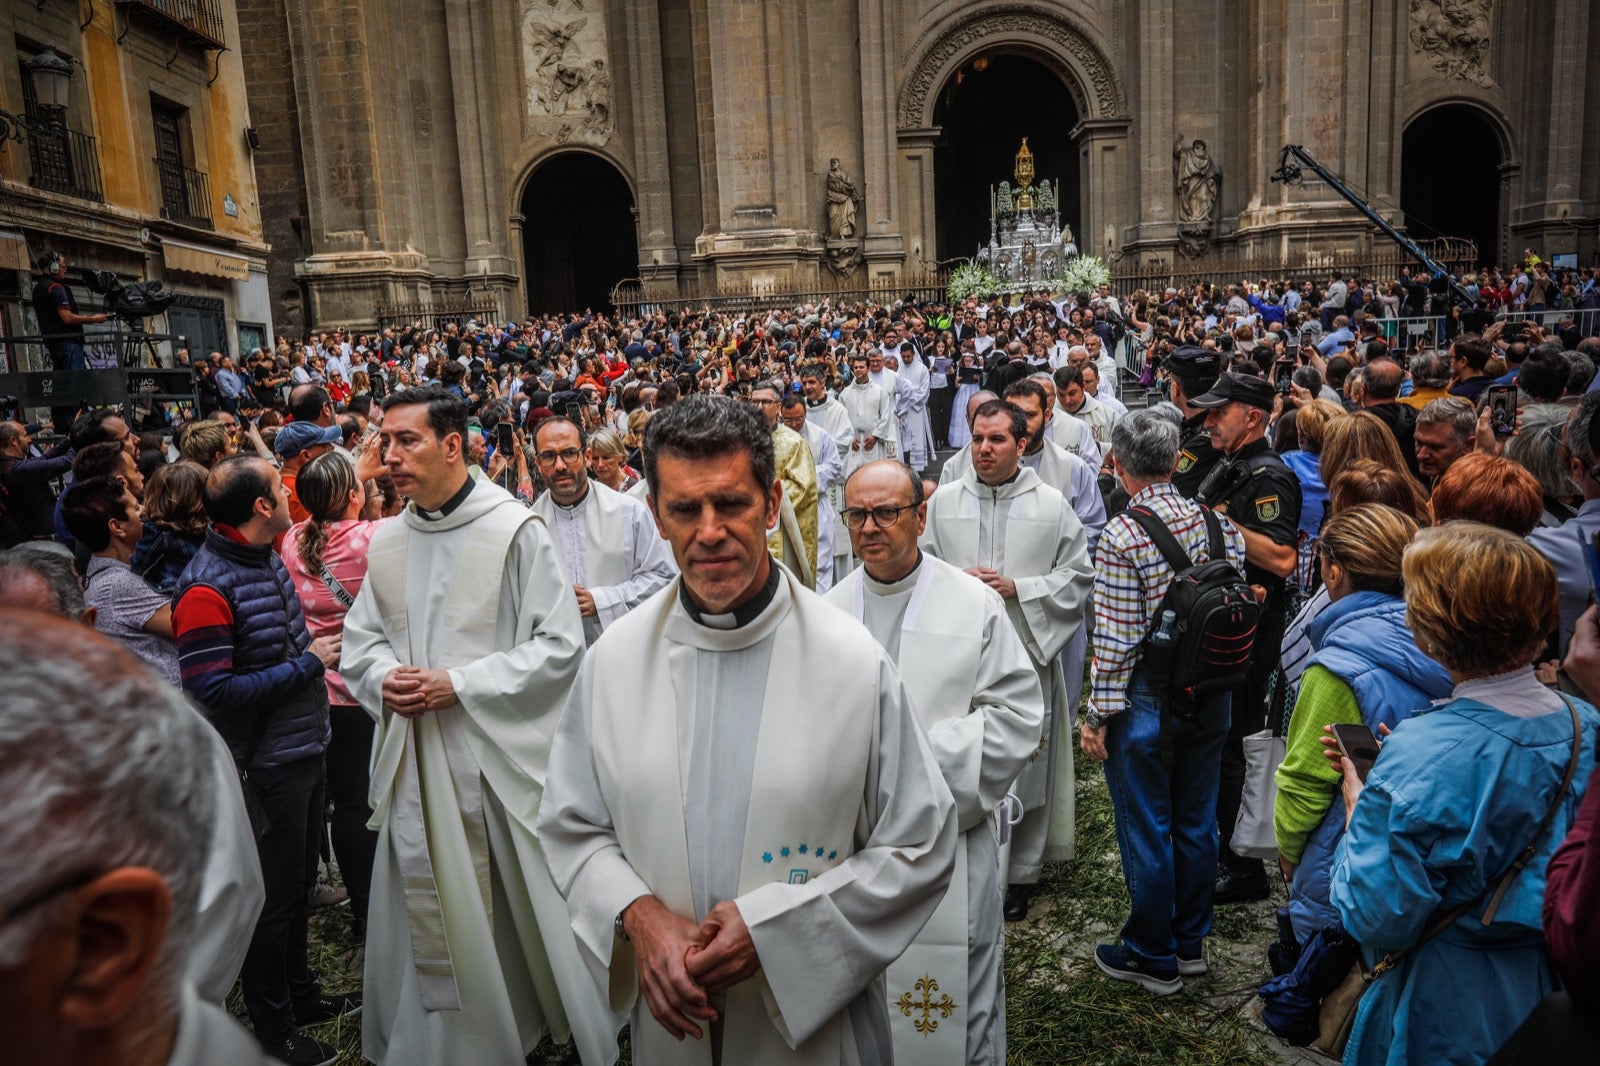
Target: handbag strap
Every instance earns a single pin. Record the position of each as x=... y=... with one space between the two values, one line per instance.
x=332 y=583
x=1392 y=959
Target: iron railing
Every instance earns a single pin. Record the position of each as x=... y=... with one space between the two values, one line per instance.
x=630 y=297
x=185 y=193
x=436 y=316
x=198 y=20
x=65 y=161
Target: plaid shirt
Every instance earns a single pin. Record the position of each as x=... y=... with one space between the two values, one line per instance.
x=1130 y=579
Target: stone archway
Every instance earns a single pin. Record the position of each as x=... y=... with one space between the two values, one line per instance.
x=1451 y=165
x=1054 y=40
x=579 y=232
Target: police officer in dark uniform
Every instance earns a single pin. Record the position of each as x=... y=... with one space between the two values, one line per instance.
x=1254 y=488
x=1192 y=370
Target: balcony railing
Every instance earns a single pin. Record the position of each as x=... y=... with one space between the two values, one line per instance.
x=200 y=21
x=64 y=160
x=185 y=193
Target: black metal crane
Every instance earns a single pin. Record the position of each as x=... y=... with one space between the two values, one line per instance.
x=1294 y=158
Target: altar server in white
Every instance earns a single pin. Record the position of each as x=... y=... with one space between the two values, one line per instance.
x=830 y=469
x=872 y=423
x=1066 y=432
x=912 y=387
x=1006 y=527
x=610 y=552
x=742 y=809
x=976 y=692
x=463 y=643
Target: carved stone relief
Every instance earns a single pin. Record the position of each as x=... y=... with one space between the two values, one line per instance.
x=1018 y=22
x=568 y=92
x=1454 y=36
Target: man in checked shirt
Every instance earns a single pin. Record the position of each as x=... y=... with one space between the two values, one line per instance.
x=1165 y=814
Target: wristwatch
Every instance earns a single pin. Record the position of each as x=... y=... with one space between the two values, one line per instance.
x=1091 y=718
x=619 y=930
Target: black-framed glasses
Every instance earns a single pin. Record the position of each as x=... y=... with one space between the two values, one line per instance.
x=856 y=517
x=566 y=455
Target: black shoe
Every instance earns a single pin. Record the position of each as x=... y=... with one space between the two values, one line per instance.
x=326 y=1008
x=1241 y=886
x=298 y=1049
x=1017 y=900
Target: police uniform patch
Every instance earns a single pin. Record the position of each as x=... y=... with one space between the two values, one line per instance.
x=1267 y=508
x=1185 y=461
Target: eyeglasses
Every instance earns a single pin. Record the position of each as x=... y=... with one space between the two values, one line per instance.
x=884 y=517
x=566 y=455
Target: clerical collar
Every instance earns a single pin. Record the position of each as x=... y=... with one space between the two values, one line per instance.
x=816 y=403
x=1007 y=481
x=448 y=506
x=575 y=504
x=889 y=588
x=741 y=615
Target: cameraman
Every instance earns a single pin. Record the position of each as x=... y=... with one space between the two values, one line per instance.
x=61 y=324
x=1261 y=495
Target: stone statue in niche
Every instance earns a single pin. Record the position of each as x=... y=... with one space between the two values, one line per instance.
x=1196 y=180
x=842 y=198
x=1454 y=35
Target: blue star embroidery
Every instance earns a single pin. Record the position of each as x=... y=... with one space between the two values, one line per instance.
x=766 y=856
x=833 y=854
x=802 y=849
x=784 y=852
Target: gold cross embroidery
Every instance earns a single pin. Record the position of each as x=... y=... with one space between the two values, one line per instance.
x=926 y=986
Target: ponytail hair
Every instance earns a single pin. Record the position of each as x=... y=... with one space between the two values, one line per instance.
x=324 y=487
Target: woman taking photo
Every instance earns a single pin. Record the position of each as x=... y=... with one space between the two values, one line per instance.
x=1457 y=795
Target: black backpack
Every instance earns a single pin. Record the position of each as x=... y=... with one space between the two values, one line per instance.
x=1215 y=610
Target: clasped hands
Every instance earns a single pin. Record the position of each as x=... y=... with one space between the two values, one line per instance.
x=680 y=963
x=412 y=691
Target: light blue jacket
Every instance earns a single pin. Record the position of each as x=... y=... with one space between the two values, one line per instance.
x=1455 y=796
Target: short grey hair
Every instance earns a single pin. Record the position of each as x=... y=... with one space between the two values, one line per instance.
x=1430 y=369
x=50 y=563
x=1146 y=444
x=1537 y=449
x=1580 y=434
x=1453 y=411
x=103 y=765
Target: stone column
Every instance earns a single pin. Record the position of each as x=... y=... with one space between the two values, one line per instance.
x=1104 y=158
x=884 y=248
x=916 y=193
x=640 y=41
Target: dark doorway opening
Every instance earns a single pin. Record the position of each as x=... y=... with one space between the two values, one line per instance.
x=1450 y=178
x=985 y=110
x=578 y=234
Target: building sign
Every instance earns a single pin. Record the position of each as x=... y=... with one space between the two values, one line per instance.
x=209 y=261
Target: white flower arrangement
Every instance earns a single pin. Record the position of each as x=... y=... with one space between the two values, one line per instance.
x=971 y=278
x=1083 y=273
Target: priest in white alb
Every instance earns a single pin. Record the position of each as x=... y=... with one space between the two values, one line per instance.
x=977 y=693
x=1005 y=526
x=463 y=644
x=872 y=422
x=912 y=389
x=610 y=552
x=742 y=809
x=830 y=416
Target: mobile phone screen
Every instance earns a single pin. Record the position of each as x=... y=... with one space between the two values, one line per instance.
x=1359 y=746
x=1591 y=556
x=1503 y=409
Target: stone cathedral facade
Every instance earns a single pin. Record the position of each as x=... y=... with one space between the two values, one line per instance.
x=484 y=152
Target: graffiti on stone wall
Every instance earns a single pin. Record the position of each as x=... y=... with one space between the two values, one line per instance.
x=1454 y=35
x=568 y=73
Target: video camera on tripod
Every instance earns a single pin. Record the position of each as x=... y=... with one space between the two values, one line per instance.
x=130 y=303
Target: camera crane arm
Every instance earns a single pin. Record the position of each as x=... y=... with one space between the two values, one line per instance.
x=1293 y=159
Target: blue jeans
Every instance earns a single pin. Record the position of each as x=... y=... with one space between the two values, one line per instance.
x=67 y=354
x=1166 y=819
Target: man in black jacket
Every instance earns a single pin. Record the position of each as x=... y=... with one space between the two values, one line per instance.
x=1381 y=395
x=26 y=479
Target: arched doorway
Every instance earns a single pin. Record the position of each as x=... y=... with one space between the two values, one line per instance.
x=579 y=237
x=985 y=109
x=1450 y=178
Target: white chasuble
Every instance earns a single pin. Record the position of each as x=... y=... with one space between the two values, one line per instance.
x=1025 y=530
x=469 y=951
x=839 y=856
x=871 y=412
x=976 y=692
x=607 y=542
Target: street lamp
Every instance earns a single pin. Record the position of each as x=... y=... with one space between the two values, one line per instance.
x=52 y=85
